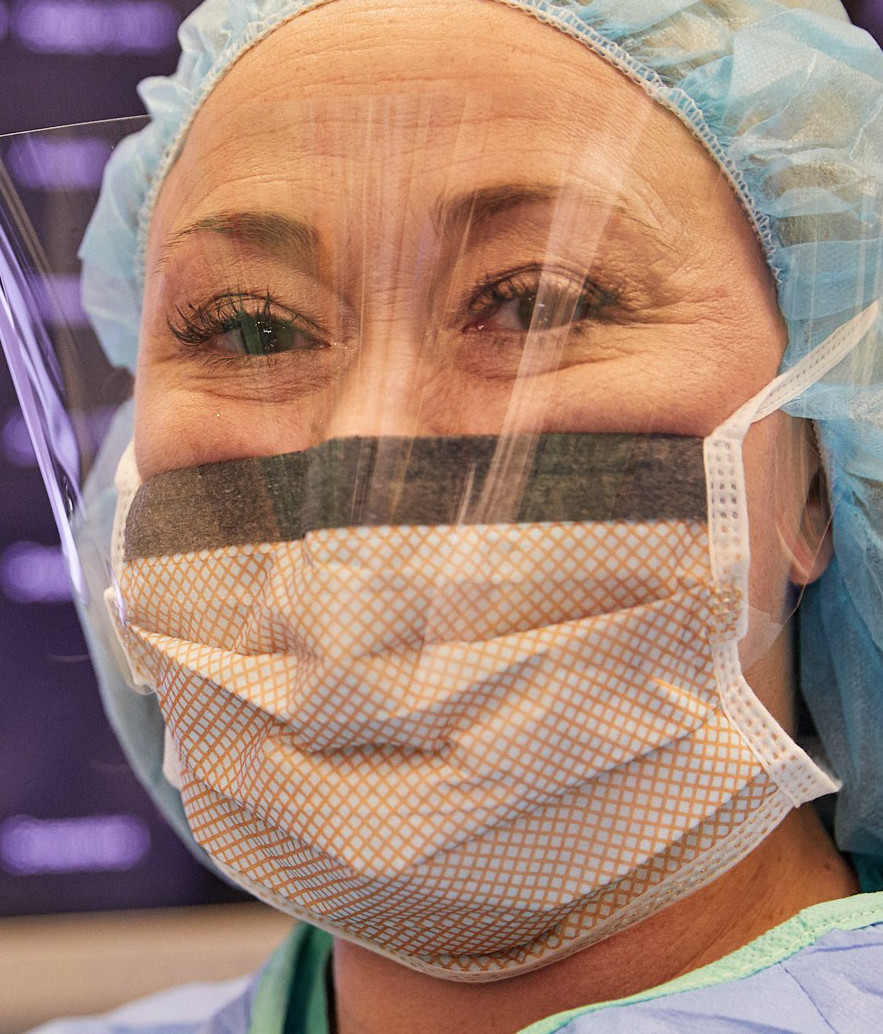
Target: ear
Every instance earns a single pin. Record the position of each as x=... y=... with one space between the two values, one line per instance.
x=813 y=546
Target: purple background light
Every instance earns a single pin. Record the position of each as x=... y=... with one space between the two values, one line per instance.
x=77 y=832
x=95 y=843
x=16 y=441
x=31 y=573
x=90 y=27
x=57 y=164
x=58 y=297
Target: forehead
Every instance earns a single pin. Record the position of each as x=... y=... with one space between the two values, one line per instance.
x=466 y=93
x=322 y=180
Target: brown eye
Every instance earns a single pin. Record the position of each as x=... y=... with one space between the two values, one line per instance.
x=536 y=300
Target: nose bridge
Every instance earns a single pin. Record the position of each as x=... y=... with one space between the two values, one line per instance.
x=394 y=259
x=378 y=392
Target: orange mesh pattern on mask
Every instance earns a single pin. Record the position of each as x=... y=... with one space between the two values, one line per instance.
x=425 y=929
x=451 y=741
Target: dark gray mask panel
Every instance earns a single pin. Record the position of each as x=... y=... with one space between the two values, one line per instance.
x=367 y=482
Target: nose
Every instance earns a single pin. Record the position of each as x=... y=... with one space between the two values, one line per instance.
x=379 y=391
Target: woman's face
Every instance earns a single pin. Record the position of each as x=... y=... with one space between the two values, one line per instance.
x=446 y=218
x=440 y=218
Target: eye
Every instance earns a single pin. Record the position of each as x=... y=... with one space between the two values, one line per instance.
x=537 y=299
x=250 y=334
x=237 y=325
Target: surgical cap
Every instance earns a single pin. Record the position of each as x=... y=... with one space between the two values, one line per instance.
x=787 y=98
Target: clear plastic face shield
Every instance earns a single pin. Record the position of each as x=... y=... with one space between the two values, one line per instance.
x=68 y=389
x=432 y=521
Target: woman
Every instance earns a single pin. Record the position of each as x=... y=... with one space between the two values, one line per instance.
x=456 y=426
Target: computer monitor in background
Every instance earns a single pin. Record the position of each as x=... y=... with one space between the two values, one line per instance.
x=77 y=832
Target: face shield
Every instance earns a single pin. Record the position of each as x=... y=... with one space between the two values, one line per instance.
x=453 y=522
x=67 y=388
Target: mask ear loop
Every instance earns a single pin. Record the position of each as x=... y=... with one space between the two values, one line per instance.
x=796 y=775
x=809 y=548
x=727 y=506
x=806 y=371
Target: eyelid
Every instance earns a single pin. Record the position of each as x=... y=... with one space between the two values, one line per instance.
x=200 y=324
x=196 y=280
x=486 y=293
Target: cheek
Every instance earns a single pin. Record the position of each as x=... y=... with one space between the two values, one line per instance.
x=778 y=472
x=181 y=426
x=165 y=428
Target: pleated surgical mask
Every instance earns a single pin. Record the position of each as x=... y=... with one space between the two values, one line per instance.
x=471 y=734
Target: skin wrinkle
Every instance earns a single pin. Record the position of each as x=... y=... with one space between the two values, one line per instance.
x=681 y=363
x=470 y=210
x=298 y=244
x=702 y=311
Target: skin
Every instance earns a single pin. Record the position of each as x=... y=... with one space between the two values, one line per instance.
x=677 y=327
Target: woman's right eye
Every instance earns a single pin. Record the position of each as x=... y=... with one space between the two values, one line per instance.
x=247 y=334
x=239 y=325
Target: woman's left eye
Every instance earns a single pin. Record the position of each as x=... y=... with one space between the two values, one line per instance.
x=534 y=300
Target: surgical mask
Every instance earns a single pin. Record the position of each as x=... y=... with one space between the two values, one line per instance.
x=471 y=734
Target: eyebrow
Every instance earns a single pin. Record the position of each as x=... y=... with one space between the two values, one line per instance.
x=472 y=208
x=273 y=232
x=299 y=241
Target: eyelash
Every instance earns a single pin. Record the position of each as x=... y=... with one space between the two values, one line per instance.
x=242 y=312
x=525 y=285
x=198 y=326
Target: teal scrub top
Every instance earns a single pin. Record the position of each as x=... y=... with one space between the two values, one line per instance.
x=819 y=972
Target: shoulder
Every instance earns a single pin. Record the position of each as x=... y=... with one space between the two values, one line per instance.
x=821 y=971
x=191 y=1009
x=261 y=1001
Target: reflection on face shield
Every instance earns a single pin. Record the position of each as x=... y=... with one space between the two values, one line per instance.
x=398 y=711
x=412 y=602
x=415 y=545
x=389 y=280
x=386 y=713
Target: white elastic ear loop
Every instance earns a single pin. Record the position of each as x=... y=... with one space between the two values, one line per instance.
x=725 y=474
x=795 y=774
x=127 y=482
x=762 y=629
x=804 y=373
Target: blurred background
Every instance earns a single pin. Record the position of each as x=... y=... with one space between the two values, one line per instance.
x=99 y=901
x=94 y=888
